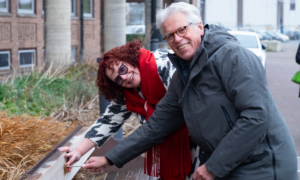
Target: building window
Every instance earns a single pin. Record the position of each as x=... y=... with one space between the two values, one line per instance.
x=4 y=60
x=43 y=9
x=3 y=5
x=73 y=54
x=292 y=5
x=73 y=7
x=27 y=58
x=26 y=6
x=88 y=8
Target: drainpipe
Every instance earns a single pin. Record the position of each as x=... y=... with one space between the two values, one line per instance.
x=155 y=33
x=81 y=32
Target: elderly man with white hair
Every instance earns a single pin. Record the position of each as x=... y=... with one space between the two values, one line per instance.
x=220 y=88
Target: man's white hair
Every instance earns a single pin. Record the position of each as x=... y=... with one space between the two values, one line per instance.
x=191 y=12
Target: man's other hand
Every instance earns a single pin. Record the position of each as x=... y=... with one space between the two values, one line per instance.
x=96 y=164
x=203 y=174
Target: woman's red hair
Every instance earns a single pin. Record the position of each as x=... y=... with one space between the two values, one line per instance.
x=129 y=53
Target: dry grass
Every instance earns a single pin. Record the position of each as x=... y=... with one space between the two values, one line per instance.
x=25 y=140
x=86 y=112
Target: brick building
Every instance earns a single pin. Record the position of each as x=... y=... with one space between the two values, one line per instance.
x=22 y=33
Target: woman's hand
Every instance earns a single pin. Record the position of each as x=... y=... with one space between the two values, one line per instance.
x=73 y=155
x=146 y=106
x=96 y=164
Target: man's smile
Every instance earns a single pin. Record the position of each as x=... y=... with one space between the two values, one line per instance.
x=183 y=46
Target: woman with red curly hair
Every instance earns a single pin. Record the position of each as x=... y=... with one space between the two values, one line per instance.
x=134 y=80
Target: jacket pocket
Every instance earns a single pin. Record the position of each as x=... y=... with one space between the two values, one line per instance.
x=227 y=117
x=255 y=158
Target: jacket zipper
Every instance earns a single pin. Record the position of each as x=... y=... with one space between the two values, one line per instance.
x=273 y=157
x=227 y=117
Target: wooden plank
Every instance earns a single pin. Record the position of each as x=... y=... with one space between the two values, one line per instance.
x=123 y=175
x=134 y=173
x=108 y=145
x=100 y=176
x=53 y=167
x=143 y=176
x=112 y=175
x=153 y=178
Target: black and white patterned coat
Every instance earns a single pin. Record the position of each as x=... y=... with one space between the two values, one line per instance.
x=116 y=113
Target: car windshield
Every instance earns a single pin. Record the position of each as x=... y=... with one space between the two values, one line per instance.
x=247 y=41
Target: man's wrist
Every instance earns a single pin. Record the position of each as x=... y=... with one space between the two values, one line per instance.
x=109 y=161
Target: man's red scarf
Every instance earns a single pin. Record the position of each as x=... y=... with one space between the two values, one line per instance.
x=172 y=158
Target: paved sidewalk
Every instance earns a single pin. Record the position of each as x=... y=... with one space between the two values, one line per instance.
x=280 y=68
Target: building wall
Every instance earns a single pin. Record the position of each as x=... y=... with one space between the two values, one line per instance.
x=291 y=18
x=91 y=30
x=26 y=31
x=221 y=13
x=21 y=32
x=260 y=15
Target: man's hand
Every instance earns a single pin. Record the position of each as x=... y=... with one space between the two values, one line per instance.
x=96 y=164
x=203 y=174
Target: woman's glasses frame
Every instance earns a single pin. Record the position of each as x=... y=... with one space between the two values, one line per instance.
x=122 y=71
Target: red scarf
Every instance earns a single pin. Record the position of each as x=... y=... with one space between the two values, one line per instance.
x=172 y=158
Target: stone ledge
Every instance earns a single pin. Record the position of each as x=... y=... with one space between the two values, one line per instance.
x=273 y=45
x=6 y=14
x=27 y=15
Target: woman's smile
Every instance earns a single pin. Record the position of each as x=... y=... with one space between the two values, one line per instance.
x=131 y=78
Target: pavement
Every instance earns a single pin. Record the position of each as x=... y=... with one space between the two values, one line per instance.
x=280 y=68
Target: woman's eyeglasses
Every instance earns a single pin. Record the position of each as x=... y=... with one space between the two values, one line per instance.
x=181 y=31
x=122 y=71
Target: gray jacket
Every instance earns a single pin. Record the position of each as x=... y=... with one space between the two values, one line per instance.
x=229 y=111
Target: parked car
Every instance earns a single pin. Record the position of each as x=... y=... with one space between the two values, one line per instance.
x=293 y=34
x=251 y=41
x=283 y=36
x=260 y=36
x=264 y=35
x=274 y=36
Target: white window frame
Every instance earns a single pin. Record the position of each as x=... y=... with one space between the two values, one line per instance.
x=27 y=11
x=74 y=7
x=75 y=53
x=43 y=12
x=6 y=8
x=7 y=67
x=292 y=2
x=34 y=57
x=90 y=14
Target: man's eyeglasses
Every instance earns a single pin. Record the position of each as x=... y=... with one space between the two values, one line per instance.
x=122 y=71
x=181 y=31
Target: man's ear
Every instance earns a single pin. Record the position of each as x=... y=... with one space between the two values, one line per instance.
x=200 y=25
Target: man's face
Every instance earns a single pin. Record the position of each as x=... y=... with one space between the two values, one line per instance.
x=186 y=46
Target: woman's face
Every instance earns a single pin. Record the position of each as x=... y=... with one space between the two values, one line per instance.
x=124 y=75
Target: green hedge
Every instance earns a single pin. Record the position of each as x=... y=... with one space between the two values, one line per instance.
x=130 y=37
